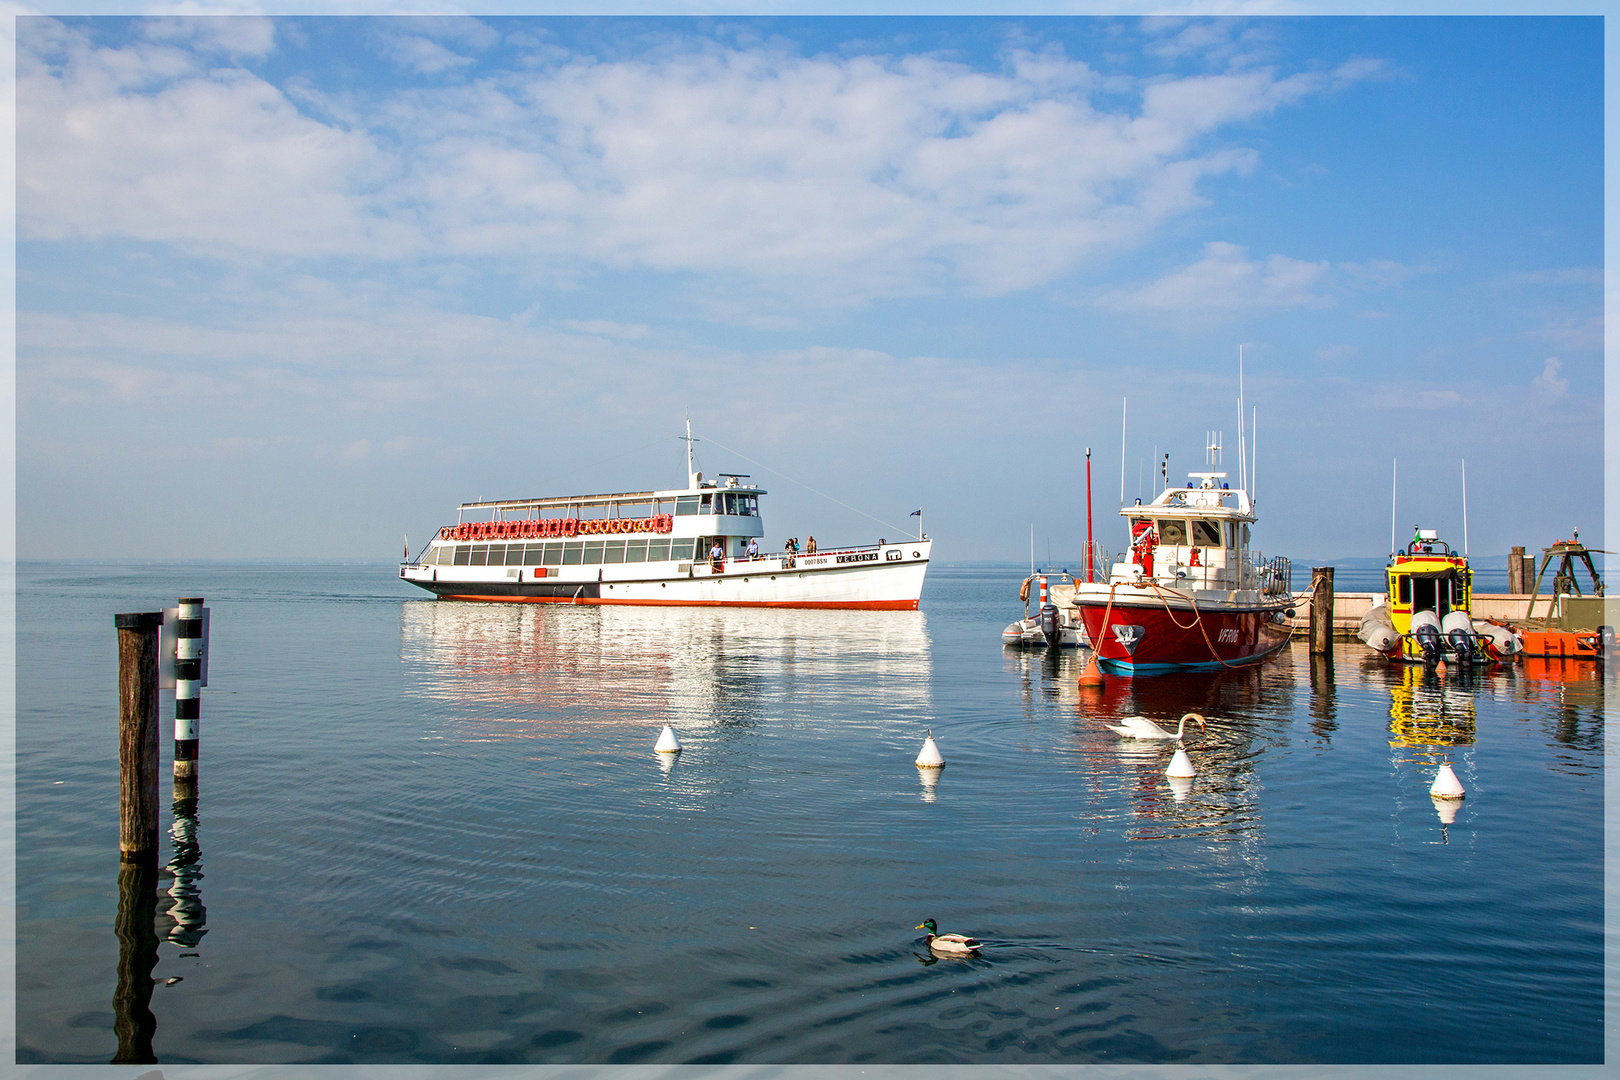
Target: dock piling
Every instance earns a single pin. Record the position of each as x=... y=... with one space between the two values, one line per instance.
x=138 y=735
x=1518 y=580
x=1322 y=611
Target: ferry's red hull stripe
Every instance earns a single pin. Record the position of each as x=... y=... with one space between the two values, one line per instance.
x=845 y=605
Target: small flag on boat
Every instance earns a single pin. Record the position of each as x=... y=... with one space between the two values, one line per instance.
x=915 y=513
x=407 y=545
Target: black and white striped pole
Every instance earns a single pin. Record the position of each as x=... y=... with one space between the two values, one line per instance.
x=188 y=682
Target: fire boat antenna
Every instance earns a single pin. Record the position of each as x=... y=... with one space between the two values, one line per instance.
x=1254 y=453
x=1465 y=506
x=1394 y=476
x=1243 y=453
x=1123 y=402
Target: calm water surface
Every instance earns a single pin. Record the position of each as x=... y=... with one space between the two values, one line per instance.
x=437 y=832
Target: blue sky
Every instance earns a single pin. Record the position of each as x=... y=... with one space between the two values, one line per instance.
x=296 y=287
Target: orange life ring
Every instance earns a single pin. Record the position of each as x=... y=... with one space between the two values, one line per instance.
x=570 y=526
x=444 y=533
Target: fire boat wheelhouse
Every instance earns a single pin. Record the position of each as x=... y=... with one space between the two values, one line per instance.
x=655 y=547
x=1188 y=595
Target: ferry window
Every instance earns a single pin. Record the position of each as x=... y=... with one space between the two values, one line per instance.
x=1206 y=533
x=686 y=505
x=657 y=550
x=571 y=553
x=1405 y=588
x=441 y=555
x=1172 y=531
x=635 y=551
x=593 y=551
x=553 y=556
x=750 y=505
x=1231 y=534
x=479 y=553
x=731 y=504
x=614 y=552
x=533 y=553
x=1245 y=536
x=704 y=507
x=680 y=550
x=514 y=554
x=462 y=553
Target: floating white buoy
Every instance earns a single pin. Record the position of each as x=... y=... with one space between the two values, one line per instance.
x=1446 y=785
x=667 y=742
x=1181 y=765
x=929 y=758
x=1180 y=787
x=1446 y=808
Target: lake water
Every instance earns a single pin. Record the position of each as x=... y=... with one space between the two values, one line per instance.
x=436 y=832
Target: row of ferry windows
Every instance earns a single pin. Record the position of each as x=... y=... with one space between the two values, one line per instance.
x=560 y=553
x=1205 y=533
x=718 y=502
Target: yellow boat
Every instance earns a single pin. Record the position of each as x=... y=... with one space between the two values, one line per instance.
x=1425 y=614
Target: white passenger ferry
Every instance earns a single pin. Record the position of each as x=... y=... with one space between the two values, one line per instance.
x=656 y=547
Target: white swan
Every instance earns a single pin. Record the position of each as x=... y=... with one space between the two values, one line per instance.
x=1140 y=727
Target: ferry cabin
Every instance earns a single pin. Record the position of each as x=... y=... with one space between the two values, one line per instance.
x=657 y=527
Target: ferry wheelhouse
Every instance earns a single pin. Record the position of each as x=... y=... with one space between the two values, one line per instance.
x=656 y=547
x=1188 y=594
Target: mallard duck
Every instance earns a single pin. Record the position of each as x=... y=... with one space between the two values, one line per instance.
x=957 y=944
x=1140 y=727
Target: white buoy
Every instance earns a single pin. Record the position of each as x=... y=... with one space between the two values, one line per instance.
x=1180 y=787
x=1446 y=808
x=667 y=742
x=1181 y=765
x=1446 y=785
x=929 y=758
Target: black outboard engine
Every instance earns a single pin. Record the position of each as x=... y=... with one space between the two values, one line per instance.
x=1049 y=625
x=1426 y=629
x=1462 y=645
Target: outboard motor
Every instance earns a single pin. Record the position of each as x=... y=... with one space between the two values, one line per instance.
x=1459 y=631
x=1050 y=630
x=1426 y=629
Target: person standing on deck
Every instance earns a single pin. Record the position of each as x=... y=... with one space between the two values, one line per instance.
x=717 y=557
x=753 y=547
x=810 y=546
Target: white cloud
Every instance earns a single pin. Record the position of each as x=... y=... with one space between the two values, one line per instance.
x=1226 y=282
x=1548 y=385
x=239 y=35
x=832 y=180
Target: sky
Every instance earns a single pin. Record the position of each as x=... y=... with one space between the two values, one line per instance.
x=296 y=287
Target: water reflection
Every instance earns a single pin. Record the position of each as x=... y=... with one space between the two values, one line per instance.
x=1428 y=709
x=186 y=920
x=133 y=1022
x=1223 y=802
x=530 y=669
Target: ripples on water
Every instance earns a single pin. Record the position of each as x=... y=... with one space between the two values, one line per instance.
x=437 y=832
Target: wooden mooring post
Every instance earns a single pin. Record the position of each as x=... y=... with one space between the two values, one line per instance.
x=1322 y=611
x=138 y=634
x=1518 y=579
